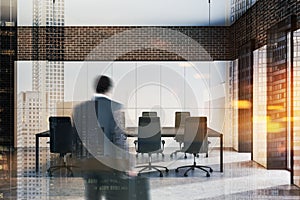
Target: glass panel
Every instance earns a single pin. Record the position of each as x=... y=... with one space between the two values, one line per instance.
x=260 y=106
x=172 y=85
x=124 y=78
x=196 y=85
x=148 y=85
x=163 y=87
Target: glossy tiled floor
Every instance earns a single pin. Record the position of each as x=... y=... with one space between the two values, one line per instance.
x=241 y=179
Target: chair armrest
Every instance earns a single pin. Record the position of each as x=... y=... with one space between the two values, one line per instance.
x=135 y=144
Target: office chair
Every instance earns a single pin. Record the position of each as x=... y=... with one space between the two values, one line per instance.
x=179 y=124
x=195 y=141
x=149 y=114
x=61 y=141
x=149 y=141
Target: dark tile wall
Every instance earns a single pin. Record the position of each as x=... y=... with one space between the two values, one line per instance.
x=8 y=54
x=245 y=93
x=255 y=23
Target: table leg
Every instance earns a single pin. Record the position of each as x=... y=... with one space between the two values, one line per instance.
x=221 y=152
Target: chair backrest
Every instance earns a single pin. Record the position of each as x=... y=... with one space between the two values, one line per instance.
x=61 y=135
x=149 y=134
x=180 y=118
x=149 y=114
x=195 y=135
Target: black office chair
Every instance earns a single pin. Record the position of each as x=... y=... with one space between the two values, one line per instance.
x=149 y=141
x=195 y=141
x=61 y=141
x=149 y=114
x=179 y=124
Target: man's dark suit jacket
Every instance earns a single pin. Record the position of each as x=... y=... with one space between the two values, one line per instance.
x=110 y=119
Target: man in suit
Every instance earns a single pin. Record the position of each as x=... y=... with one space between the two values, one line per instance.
x=100 y=126
x=109 y=113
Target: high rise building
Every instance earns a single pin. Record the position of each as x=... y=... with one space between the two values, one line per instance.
x=48 y=81
x=29 y=118
x=48 y=77
x=48 y=12
x=30 y=121
x=238 y=8
x=35 y=107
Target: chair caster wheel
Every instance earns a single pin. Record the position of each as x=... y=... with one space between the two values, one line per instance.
x=161 y=175
x=176 y=170
x=185 y=175
x=185 y=157
x=207 y=175
x=197 y=156
x=211 y=170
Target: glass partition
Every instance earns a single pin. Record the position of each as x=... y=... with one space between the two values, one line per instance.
x=260 y=106
x=164 y=87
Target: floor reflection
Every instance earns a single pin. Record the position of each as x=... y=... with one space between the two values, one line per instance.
x=242 y=179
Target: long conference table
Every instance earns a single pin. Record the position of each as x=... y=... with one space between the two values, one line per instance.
x=132 y=132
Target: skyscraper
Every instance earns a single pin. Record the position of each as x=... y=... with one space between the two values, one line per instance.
x=29 y=122
x=48 y=77
x=238 y=8
x=35 y=107
x=48 y=12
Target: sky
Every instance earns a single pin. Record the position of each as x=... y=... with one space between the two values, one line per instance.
x=135 y=12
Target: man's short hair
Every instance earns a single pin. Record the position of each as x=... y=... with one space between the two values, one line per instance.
x=104 y=84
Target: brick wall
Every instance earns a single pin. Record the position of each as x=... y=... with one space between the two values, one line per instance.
x=124 y=43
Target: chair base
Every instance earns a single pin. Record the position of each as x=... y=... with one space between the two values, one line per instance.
x=181 y=150
x=185 y=156
x=178 y=151
x=192 y=167
x=162 y=154
x=149 y=167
